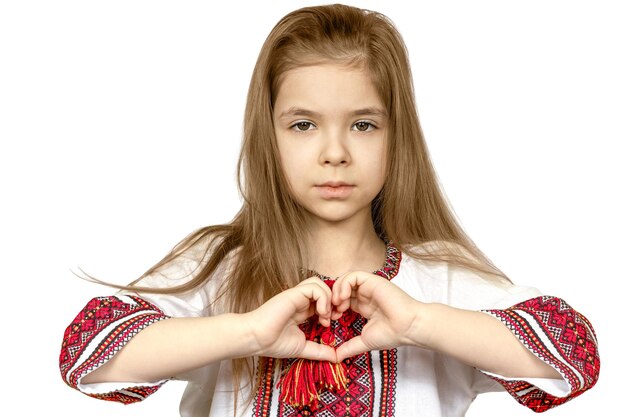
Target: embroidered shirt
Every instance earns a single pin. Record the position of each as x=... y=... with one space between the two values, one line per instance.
x=396 y=382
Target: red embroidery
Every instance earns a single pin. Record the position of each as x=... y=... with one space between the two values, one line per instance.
x=388 y=363
x=357 y=399
x=263 y=398
x=122 y=320
x=572 y=349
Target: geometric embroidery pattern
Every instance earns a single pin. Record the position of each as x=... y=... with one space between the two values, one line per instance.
x=356 y=400
x=99 y=331
x=263 y=398
x=388 y=364
x=559 y=336
x=546 y=325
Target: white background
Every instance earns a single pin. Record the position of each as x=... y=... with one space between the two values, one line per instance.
x=120 y=125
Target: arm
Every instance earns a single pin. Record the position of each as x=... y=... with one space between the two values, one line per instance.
x=478 y=340
x=472 y=337
x=174 y=346
x=177 y=345
x=163 y=347
x=396 y=319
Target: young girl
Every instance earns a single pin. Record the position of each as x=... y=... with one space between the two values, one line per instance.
x=278 y=313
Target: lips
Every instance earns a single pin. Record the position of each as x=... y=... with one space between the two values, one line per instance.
x=332 y=190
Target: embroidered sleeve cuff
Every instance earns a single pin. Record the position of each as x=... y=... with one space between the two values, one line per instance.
x=559 y=336
x=99 y=331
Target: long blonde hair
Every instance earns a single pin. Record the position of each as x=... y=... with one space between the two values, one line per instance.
x=410 y=209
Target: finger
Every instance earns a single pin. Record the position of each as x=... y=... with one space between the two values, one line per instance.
x=343 y=287
x=351 y=348
x=345 y=304
x=336 y=299
x=319 y=296
x=347 y=290
x=319 y=282
x=318 y=352
x=324 y=310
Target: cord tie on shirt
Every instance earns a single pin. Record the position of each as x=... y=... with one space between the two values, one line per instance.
x=301 y=384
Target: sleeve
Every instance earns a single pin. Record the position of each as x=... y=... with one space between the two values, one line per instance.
x=546 y=325
x=106 y=324
x=559 y=336
x=97 y=333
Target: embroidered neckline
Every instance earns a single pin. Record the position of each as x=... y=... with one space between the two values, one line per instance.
x=389 y=270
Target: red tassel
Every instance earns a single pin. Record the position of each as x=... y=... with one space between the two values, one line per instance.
x=301 y=384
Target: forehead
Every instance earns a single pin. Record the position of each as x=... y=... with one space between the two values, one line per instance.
x=327 y=87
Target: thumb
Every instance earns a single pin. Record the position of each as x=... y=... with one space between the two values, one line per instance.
x=318 y=352
x=351 y=348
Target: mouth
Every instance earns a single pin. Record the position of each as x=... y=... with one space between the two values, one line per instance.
x=334 y=184
x=332 y=190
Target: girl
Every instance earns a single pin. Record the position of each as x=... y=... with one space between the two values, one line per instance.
x=337 y=182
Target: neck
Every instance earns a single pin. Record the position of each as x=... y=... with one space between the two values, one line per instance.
x=351 y=245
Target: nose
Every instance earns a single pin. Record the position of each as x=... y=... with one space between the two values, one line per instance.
x=334 y=150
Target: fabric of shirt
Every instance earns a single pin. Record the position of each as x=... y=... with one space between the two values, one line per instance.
x=396 y=382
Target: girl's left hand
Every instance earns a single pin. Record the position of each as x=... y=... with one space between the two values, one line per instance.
x=392 y=314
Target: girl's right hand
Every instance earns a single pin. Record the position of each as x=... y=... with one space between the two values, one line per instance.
x=274 y=325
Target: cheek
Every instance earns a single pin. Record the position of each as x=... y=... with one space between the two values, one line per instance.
x=296 y=158
x=291 y=164
x=377 y=162
x=380 y=177
x=291 y=171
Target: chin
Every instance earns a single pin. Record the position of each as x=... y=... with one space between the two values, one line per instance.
x=333 y=216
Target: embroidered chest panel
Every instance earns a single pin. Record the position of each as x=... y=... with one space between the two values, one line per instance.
x=371 y=376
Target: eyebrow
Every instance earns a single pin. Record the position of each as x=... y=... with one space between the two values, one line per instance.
x=298 y=111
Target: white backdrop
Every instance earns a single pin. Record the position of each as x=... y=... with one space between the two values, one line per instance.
x=120 y=124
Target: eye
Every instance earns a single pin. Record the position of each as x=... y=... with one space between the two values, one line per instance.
x=364 y=126
x=301 y=126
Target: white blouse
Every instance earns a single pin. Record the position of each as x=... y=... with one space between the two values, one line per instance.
x=398 y=382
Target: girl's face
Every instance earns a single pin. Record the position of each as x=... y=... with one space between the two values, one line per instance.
x=330 y=126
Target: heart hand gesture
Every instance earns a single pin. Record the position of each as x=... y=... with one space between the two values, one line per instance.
x=391 y=313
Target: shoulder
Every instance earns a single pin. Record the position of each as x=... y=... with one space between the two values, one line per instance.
x=183 y=264
x=429 y=279
x=185 y=280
